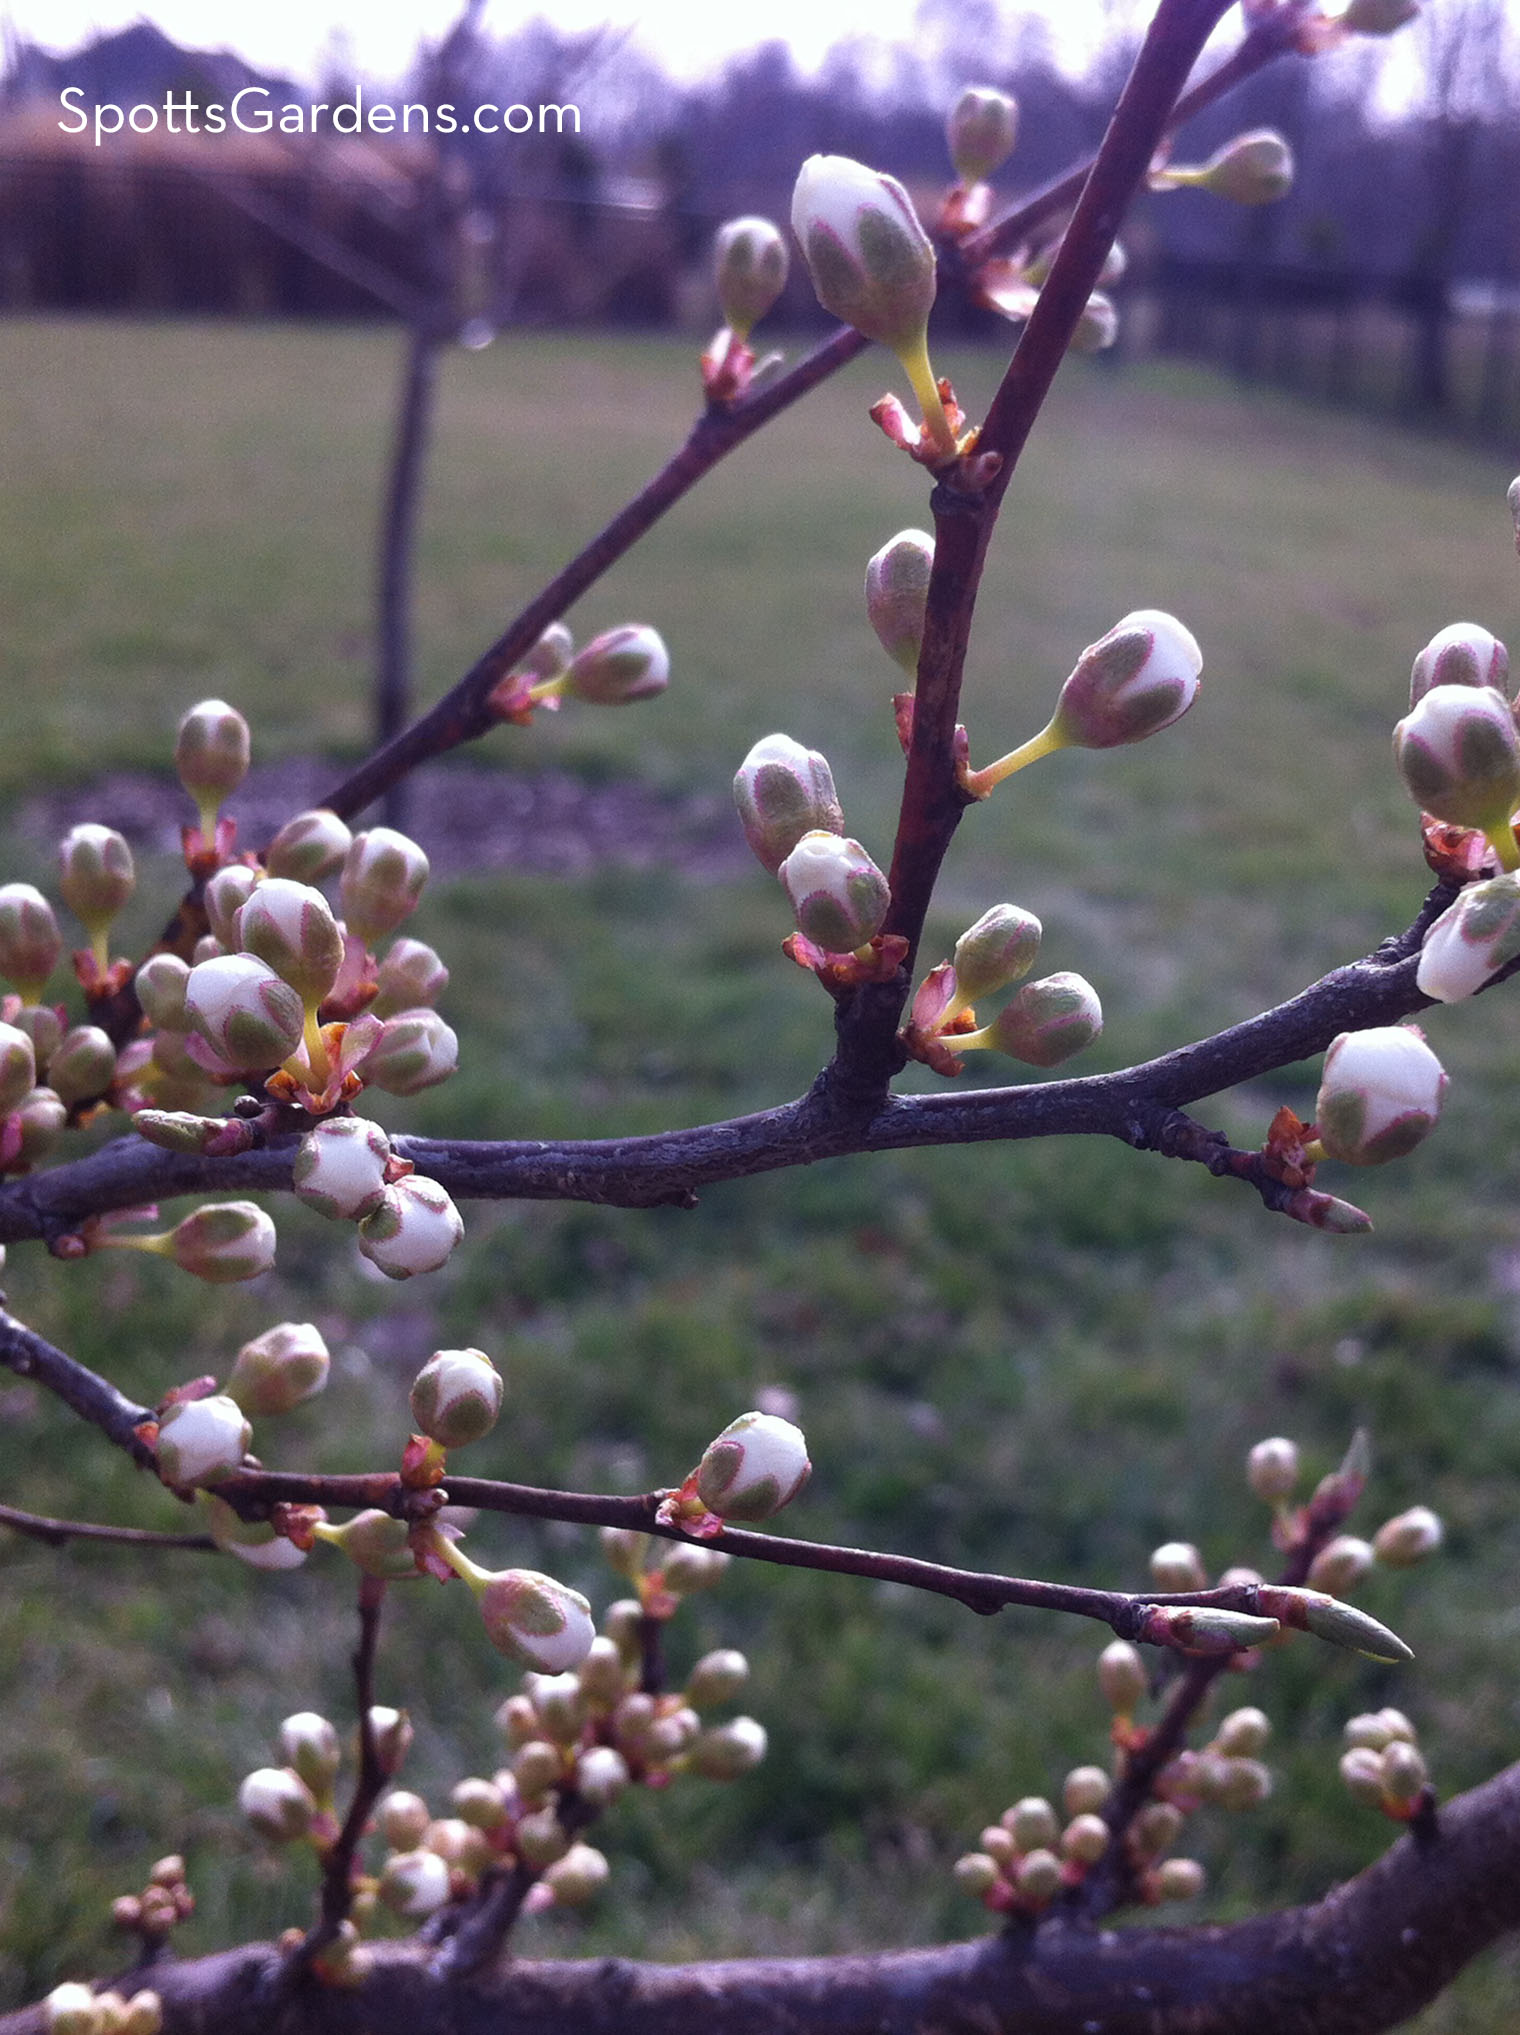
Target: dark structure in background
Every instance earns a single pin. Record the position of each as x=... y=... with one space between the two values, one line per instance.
x=1411 y=307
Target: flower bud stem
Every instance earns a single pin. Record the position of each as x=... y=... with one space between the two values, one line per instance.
x=915 y=360
x=1502 y=841
x=1046 y=743
x=460 y=1563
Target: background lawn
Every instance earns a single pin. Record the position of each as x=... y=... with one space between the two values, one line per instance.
x=1042 y=1359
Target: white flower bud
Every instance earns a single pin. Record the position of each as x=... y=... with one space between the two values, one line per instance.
x=1122 y=1676
x=620 y=667
x=1460 y=654
x=383 y=877
x=211 y=751
x=871 y=262
x=82 y=1065
x=1272 y=1468
x=1404 y=1772
x=1085 y=1790
x=392 y=1733
x=783 y=792
x=416 y=1050
x=277 y=1803
x=1361 y=1770
x=897 y=588
x=541 y=1838
x=291 y=928
x=1242 y=1784
x=200 y=1440
x=1131 y=683
x=1178 y=1566
x=1039 y=1876
x=404 y=1819
x=578 y=1876
x=1340 y=1565
x=376 y=1543
x=1180 y=1879
x=756 y=1465
x=96 y=875
x=1380 y=1094
x=1047 y=1021
x=309 y=847
x=30 y=942
x=224 y=896
x=70 y=2009
x=1471 y=940
x=411 y=977
x=280 y=1368
x=456 y=1397
x=1253 y=169
x=1032 y=1823
x=537 y=1621
x=728 y=1751
x=339 y=1168
x=414 y=1884
x=601 y=1775
x=838 y=894
x=976 y=1874
x=1459 y=756
x=244 y=1012
x=750 y=264
x=717 y=1678
x=999 y=949
x=414 y=1229
x=1401 y=1542
x=18 y=1068
x=479 y=1803
x=981 y=131
x=160 y=985
x=537 y=1766
x=1085 y=1839
x=1244 y=1733
x=602 y=1676
x=309 y=1745
x=224 y=1242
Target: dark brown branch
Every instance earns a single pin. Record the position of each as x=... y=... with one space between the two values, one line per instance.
x=338 y=1866
x=93 y=1398
x=398 y=541
x=58 y=1532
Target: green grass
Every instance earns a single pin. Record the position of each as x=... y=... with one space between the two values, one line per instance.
x=1041 y=1359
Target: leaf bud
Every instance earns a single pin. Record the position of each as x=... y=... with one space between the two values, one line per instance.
x=976 y=1874
x=1459 y=756
x=871 y=262
x=1243 y=1734
x=252 y=1541
x=578 y=1877
x=277 y=1803
x=244 y=1012
x=838 y=894
x=200 y=1440
x=1085 y=1790
x=82 y=1067
x=310 y=1747
x=224 y=896
x=784 y=792
x=1180 y=1879
x=1085 y=1839
x=897 y=590
x=601 y=1674
x=280 y=1368
x=1404 y=1772
x=70 y=2009
x=981 y=131
x=999 y=949
x=404 y=1819
x=339 y=1167
x=1401 y=1542
x=1380 y=1094
x=1471 y=940
x=1460 y=654
x=160 y=985
x=1361 y=1770
x=689 y=1568
x=30 y=942
x=411 y=977
x=211 y=752
x=1272 y=1469
x=415 y=1050
x=383 y=877
x=414 y=1884
x=1340 y=1564
x=537 y=1621
x=620 y=667
x=223 y=1242
x=414 y=1229
x=1039 y=1877
x=1131 y=683
x=756 y=1465
x=601 y=1775
x=291 y=928
x=725 y=1752
x=717 y=1678
x=96 y=875
x=1122 y=1676
x=1046 y=1022
x=18 y=1067
x=750 y=264
x=456 y=1396
x=309 y=847
x=1340 y=1624
x=1032 y=1824
x=1178 y=1566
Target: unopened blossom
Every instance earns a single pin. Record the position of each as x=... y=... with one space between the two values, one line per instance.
x=1463 y=653
x=211 y=753
x=383 y=877
x=224 y=896
x=1472 y=939
x=278 y=1369
x=1380 y=1094
x=456 y=1396
x=309 y=847
x=278 y=1804
x=30 y=942
x=897 y=588
x=750 y=264
x=290 y=926
x=728 y=1751
x=784 y=791
x=1458 y=753
x=340 y=1165
x=1045 y=1023
x=981 y=130
x=82 y=1065
x=200 y=1440
x=223 y=1242
x=415 y=1051
x=414 y=1229
x=1403 y=1541
x=410 y=977
x=838 y=894
x=18 y=1068
x=756 y=1465
x=414 y=1884
x=620 y=667
x=249 y=1017
x=540 y=1622
x=999 y=949
x=160 y=985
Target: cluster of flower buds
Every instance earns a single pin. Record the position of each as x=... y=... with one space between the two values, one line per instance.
x=203 y=1435
x=1383 y=1767
x=74 y=2009
x=1044 y=1023
x=750 y=265
x=1272 y=1471
x=295 y=1803
x=51 y=1072
x=1458 y=748
x=616 y=669
x=1380 y=1095
x=163 y=1904
x=1253 y=169
x=755 y=1466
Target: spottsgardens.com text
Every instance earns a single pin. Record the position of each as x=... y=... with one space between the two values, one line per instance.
x=255 y=110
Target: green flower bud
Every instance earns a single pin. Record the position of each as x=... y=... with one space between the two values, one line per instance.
x=999 y=949
x=1130 y=684
x=201 y=1440
x=211 y=752
x=717 y=1678
x=1380 y=1094
x=1272 y=1469
x=1471 y=940
x=479 y=1803
x=620 y=667
x=414 y=1229
x=897 y=590
x=1085 y=1839
x=578 y=1877
x=1459 y=756
x=1243 y=1784
x=414 y=1884
x=1343 y=1625
x=728 y=1751
x=602 y=1682
x=1039 y=1877
x=784 y=792
x=279 y=1369
x=83 y=1065
x=1046 y=1022
x=838 y=894
x=278 y=1804
x=456 y=1397
x=1180 y=1879
x=550 y=655
x=416 y=1050
x=244 y=1012
x=1340 y=1565
x=999 y=1846
x=537 y=1766
x=689 y=1568
x=30 y=942
x=44 y=1116
x=1032 y=1824
x=375 y=1543
x=1404 y=1772
x=96 y=875
x=757 y=1465
x=224 y=1242
x=291 y=928
x=560 y=1704
x=411 y=977
x=601 y=1775
x=404 y=1819
x=1243 y=1734
x=1157 y=1828
x=976 y=1874
x=383 y=877
x=1178 y=1566
x=537 y=1621
x=460 y=1845
x=1361 y=1770
x=541 y=1838
x=44 y=1027
x=1253 y=169
x=981 y=131
x=160 y=985
x=871 y=262
x=1401 y=1542
x=623 y=1624
x=1122 y=1677
x=309 y=847
x=749 y=267
x=18 y=1068
x=339 y=1168
x=177 y=1130
x=1085 y=1790
x=310 y=1748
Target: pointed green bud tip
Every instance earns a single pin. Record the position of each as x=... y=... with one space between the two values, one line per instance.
x=750 y=264
x=1463 y=653
x=279 y=1369
x=211 y=751
x=96 y=875
x=1402 y=1542
x=620 y=667
x=339 y=1167
x=290 y=927
x=174 y=1130
x=537 y=1621
x=871 y=262
x=1471 y=940
x=1131 y=683
x=30 y=942
x=1343 y=1625
x=224 y=1242
x=415 y=1228
x=416 y=1050
x=1048 y=1021
x=897 y=589
x=1378 y=17
x=756 y=1465
x=1459 y=756
x=456 y=1396
x=1380 y=1094
x=383 y=877
x=981 y=131
x=838 y=894
x=201 y=1440
x=783 y=791
x=309 y=847
x=411 y=977
x=999 y=949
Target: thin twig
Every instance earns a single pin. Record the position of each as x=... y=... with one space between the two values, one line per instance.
x=58 y=1532
x=338 y=1867
x=92 y=1397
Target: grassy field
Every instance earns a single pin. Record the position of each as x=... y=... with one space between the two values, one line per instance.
x=1043 y=1360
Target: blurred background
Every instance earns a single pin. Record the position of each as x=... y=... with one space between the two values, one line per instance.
x=1043 y=1359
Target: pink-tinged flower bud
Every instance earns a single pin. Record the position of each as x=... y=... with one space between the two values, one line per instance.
x=1047 y=1021
x=976 y=1874
x=392 y=1733
x=224 y=1242
x=309 y=1745
x=211 y=752
x=414 y=1884
x=280 y=1368
x=783 y=792
x=717 y=1678
x=375 y=1543
x=83 y=1065
x=1471 y=940
x=897 y=589
x=414 y=1229
x=1272 y=1468
x=1460 y=654
x=244 y=1012
x=1361 y=1770
x=1122 y=1677
x=689 y=1568
x=96 y=875
x=411 y=977
x=1178 y=1566
x=18 y=1068
x=726 y=1752
x=1340 y=1565
x=340 y=1167
x=999 y=949
x=1380 y=1094
x=278 y=1804
x=200 y=1440
x=537 y=1621
x=160 y=985
x=30 y=942
x=253 y=1542
x=838 y=894
x=383 y=877
x=578 y=1877
x=457 y=1396
x=291 y=929
x=1377 y=17
x=749 y=267
x=1459 y=756
x=757 y=1464
x=1131 y=683
x=1085 y=1839
x=871 y=262
x=404 y=1820
x=1401 y=1542
x=601 y=1775
x=416 y=1050
x=1180 y=1879
x=309 y=847
x=1039 y=1877
x=1085 y=1790
x=981 y=131
x=620 y=667
x=1032 y=1823
x=224 y=896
